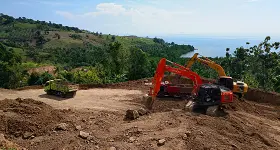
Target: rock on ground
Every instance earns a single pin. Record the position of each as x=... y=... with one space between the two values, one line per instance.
x=112 y=148
x=79 y=127
x=132 y=139
x=161 y=142
x=132 y=114
x=62 y=126
x=84 y=135
x=5 y=144
x=142 y=111
x=27 y=135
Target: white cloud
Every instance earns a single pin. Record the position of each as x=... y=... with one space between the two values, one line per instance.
x=135 y=18
x=110 y=8
x=250 y=1
x=106 y=8
x=66 y=15
x=189 y=18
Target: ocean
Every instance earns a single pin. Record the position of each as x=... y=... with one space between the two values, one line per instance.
x=214 y=46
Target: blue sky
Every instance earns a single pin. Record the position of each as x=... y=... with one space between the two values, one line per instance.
x=156 y=17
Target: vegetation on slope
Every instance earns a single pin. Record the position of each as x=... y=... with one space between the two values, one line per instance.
x=98 y=58
x=91 y=57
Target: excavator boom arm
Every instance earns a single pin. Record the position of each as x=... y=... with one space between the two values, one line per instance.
x=162 y=67
x=207 y=62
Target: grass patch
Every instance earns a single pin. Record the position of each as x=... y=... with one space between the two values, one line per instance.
x=25 y=25
x=63 y=43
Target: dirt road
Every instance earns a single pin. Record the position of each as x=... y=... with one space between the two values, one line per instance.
x=100 y=114
x=97 y=99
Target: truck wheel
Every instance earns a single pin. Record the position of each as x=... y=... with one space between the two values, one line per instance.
x=57 y=93
x=49 y=93
x=73 y=94
x=63 y=95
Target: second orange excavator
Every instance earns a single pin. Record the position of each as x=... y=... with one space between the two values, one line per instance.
x=206 y=95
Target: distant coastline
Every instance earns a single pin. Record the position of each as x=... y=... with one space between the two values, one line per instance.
x=213 y=46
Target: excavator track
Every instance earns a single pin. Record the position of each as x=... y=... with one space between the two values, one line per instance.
x=215 y=111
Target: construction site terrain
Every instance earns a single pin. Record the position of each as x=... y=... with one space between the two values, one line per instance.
x=95 y=119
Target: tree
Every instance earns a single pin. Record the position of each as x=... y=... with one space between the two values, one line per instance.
x=56 y=35
x=113 y=38
x=10 y=71
x=33 y=78
x=46 y=32
x=227 y=52
x=32 y=54
x=115 y=52
x=257 y=65
x=44 y=78
x=87 y=76
x=158 y=40
x=138 y=64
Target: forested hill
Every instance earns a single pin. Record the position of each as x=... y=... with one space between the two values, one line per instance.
x=79 y=56
x=32 y=52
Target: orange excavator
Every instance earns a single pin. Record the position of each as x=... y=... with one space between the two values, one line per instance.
x=204 y=95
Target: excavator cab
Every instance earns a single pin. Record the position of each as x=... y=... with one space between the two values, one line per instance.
x=209 y=94
x=213 y=94
x=226 y=81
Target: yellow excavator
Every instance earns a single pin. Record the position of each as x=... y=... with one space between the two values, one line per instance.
x=238 y=88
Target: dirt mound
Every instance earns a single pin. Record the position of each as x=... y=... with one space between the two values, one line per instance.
x=264 y=110
x=262 y=96
x=162 y=104
x=130 y=85
x=27 y=118
x=6 y=144
x=166 y=104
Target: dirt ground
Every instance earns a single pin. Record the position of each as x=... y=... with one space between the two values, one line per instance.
x=37 y=121
x=98 y=98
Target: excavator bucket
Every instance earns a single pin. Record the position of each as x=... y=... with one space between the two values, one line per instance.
x=156 y=83
x=149 y=102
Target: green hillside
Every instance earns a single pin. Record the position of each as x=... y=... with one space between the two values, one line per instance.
x=86 y=57
x=107 y=58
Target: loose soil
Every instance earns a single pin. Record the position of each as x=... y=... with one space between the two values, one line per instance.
x=101 y=111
